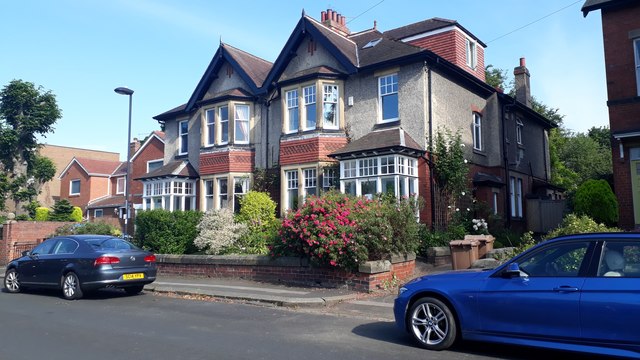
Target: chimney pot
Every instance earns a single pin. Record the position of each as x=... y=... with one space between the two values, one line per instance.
x=323 y=16
x=523 y=62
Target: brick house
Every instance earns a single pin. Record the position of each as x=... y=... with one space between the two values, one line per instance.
x=353 y=111
x=621 y=35
x=98 y=187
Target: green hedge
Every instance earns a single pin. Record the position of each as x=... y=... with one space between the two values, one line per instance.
x=167 y=232
x=595 y=199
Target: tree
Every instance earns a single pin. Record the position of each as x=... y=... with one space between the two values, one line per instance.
x=495 y=77
x=26 y=111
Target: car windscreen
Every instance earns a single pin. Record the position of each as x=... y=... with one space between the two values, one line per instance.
x=111 y=244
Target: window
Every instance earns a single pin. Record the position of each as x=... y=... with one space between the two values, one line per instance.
x=292 y=189
x=471 y=53
x=560 y=259
x=208 y=195
x=223 y=116
x=387 y=165
x=349 y=169
x=242 y=124
x=636 y=48
x=620 y=259
x=330 y=107
x=388 y=93
x=310 y=106
x=495 y=203
x=240 y=187
x=223 y=193
x=120 y=185
x=516 y=197
x=310 y=182
x=292 y=111
x=66 y=246
x=329 y=178
x=153 y=165
x=98 y=213
x=74 y=187
x=477 y=131
x=44 y=248
x=175 y=194
x=210 y=137
x=519 y=126
x=391 y=174
x=183 y=135
x=368 y=167
x=368 y=187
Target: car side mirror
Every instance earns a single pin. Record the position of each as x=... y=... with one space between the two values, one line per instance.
x=512 y=271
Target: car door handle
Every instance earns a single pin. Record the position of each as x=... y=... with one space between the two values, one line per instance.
x=565 y=288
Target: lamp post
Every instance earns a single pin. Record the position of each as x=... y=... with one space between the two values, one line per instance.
x=129 y=92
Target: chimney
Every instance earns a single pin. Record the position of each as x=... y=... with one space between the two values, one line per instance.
x=523 y=87
x=334 y=21
x=134 y=146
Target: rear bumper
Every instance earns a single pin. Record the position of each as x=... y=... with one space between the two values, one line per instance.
x=114 y=277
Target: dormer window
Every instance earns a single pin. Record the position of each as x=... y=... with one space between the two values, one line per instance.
x=472 y=59
x=388 y=97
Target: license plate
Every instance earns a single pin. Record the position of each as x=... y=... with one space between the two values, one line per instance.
x=133 y=276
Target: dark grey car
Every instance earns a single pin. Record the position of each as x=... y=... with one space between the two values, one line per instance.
x=79 y=263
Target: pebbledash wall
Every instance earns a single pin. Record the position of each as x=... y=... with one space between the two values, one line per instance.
x=372 y=275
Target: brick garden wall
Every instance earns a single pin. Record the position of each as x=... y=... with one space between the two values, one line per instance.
x=372 y=276
x=18 y=236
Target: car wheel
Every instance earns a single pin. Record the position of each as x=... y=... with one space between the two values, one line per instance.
x=11 y=281
x=133 y=290
x=71 y=289
x=431 y=323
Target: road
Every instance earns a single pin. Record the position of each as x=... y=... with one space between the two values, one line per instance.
x=110 y=325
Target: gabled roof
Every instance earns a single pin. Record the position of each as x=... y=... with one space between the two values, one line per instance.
x=592 y=5
x=176 y=168
x=102 y=168
x=394 y=140
x=252 y=69
x=532 y=114
x=426 y=26
x=170 y=114
x=154 y=135
x=344 y=50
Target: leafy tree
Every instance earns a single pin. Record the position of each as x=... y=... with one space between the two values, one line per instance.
x=602 y=135
x=595 y=198
x=26 y=111
x=62 y=211
x=495 y=77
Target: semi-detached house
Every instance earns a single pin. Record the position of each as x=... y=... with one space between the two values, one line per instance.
x=353 y=111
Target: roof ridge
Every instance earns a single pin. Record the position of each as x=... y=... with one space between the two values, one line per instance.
x=330 y=29
x=451 y=22
x=225 y=45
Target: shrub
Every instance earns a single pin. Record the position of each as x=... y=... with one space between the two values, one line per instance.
x=97 y=228
x=595 y=199
x=219 y=232
x=62 y=210
x=401 y=215
x=31 y=208
x=23 y=217
x=574 y=224
x=42 y=214
x=257 y=210
x=167 y=232
x=76 y=214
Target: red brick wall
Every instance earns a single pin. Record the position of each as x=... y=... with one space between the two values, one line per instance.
x=76 y=172
x=18 y=236
x=424 y=189
x=224 y=162
x=153 y=151
x=622 y=187
x=295 y=275
x=309 y=150
x=452 y=47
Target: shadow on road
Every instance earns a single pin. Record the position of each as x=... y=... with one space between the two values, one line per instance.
x=102 y=294
x=389 y=332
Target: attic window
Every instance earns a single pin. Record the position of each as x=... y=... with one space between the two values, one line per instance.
x=372 y=43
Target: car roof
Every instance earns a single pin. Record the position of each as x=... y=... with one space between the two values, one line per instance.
x=86 y=237
x=598 y=236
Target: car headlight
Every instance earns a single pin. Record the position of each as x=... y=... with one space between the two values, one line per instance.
x=401 y=290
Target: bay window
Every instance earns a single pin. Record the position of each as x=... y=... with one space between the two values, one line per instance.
x=330 y=107
x=292 y=189
x=223 y=116
x=391 y=174
x=310 y=107
x=177 y=194
x=292 y=111
x=210 y=129
x=241 y=120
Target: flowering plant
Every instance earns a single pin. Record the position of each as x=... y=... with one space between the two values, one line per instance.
x=480 y=226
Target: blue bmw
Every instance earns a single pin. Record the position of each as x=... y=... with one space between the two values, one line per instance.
x=577 y=293
x=80 y=263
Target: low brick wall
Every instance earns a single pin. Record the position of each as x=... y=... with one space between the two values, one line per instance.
x=18 y=236
x=372 y=276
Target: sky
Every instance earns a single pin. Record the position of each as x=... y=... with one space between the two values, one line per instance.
x=81 y=50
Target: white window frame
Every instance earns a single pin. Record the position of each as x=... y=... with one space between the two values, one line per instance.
x=516 y=191
x=636 y=51
x=120 y=188
x=154 y=161
x=292 y=104
x=210 y=127
x=293 y=183
x=331 y=95
x=310 y=101
x=310 y=180
x=96 y=211
x=519 y=128
x=208 y=189
x=329 y=178
x=71 y=187
x=222 y=196
x=170 y=194
x=243 y=181
x=387 y=86
x=183 y=137
x=370 y=170
x=519 y=194
x=223 y=122
x=477 y=131
x=237 y=121
x=471 y=53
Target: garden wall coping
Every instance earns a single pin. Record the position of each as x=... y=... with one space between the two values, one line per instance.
x=239 y=260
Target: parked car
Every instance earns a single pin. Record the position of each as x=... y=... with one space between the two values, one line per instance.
x=576 y=293
x=80 y=263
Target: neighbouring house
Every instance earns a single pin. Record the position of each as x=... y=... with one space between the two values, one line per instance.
x=356 y=111
x=621 y=35
x=99 y=187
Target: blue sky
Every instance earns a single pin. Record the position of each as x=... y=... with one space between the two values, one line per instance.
x=82 y=49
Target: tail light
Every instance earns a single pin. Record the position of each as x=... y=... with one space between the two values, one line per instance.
x=150 y=258
x=106 y=260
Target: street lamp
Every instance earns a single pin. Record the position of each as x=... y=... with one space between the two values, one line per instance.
x=126 y=91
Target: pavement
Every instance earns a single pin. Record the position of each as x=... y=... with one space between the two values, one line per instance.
x=277 y=294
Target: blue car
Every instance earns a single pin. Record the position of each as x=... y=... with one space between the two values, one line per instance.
x=576 y=293
x=80 y=263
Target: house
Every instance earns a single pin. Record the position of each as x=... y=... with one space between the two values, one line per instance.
x=621 y=35
x=355 y=111
x=98 y=187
